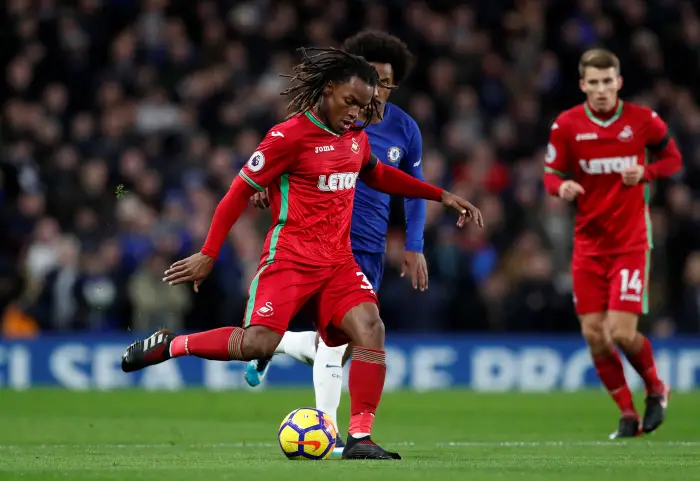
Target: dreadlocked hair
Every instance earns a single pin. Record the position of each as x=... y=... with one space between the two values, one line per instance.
x=329 y=65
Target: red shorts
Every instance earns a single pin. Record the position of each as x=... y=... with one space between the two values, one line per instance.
x=615 y=282
x=280 y=289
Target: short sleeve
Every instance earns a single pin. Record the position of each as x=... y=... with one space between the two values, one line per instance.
x=271 y=159
x=556 y=159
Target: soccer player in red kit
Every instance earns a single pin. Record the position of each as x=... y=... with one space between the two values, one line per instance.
x=309 y=165
x=597 y=158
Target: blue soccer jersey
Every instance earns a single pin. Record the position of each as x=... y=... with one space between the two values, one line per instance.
x=396 y=141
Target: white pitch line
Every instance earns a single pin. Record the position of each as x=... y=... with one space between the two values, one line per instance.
x=136 y=446
x=535 y=444
x=462 y=444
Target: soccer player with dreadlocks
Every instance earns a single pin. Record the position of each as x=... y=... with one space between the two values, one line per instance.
x=395 y=139
x=309 y=164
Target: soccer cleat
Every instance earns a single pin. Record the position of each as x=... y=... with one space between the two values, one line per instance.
x=655 y=411
x=256 y=370
x=148 y=352
x=339 y=447
x=628 y=428
x=365 y=448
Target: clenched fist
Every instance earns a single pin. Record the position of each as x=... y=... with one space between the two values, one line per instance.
x=570 y=189
x=633 y=175
x=260 y=200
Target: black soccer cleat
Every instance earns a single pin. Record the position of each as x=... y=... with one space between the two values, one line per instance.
x=148 y=352
x=655 y=411
x=628 y=428
x=365 y=448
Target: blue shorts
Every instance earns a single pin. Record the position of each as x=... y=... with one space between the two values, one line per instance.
x=372 y=264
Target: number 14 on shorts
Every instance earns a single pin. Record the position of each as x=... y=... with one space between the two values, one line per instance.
x=631 y=285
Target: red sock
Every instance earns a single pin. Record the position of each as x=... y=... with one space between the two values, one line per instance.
x=643 y=362
x=612 y=375
x=223 y=344
x=366 y=382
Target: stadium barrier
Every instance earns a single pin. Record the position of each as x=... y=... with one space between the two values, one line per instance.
x=418 y=363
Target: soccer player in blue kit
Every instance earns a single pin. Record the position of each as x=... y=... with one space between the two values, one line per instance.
x=396 y=140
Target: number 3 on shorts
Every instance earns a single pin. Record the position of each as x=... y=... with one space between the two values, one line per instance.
x=364 y=283
x=630 y=282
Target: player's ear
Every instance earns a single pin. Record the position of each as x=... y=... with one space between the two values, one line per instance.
x=619 y=82
x=328 y=90
x=582 y=84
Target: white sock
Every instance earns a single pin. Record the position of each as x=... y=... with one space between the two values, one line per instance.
x=298 y=345
x=328 y=379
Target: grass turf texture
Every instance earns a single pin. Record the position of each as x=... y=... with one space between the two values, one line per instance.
x=455 y=435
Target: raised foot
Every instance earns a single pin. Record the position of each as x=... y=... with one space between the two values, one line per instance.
x=256 y=370
x=148 y=352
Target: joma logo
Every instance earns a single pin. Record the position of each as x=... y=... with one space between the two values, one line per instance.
x=324 y=148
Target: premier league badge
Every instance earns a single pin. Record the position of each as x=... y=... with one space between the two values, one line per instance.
x=256 y=161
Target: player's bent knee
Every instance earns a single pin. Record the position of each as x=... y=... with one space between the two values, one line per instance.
x=624 y=337
x=593 y=328
x=259 y=342
x=623 y=328
x=364 y=327
x=371 y=334
x=592 y=334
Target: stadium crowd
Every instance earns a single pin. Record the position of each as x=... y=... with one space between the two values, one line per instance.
x=124 y=121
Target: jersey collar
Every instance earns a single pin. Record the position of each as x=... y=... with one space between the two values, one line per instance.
x=317 y=122
x=600 y=122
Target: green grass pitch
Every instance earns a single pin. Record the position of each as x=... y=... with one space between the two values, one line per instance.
x=454 y=435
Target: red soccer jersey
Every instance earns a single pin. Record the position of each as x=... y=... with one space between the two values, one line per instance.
x=611 y=217
x=310 y=174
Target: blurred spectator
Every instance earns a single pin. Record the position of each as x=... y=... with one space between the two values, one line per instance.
x=56 y=306
x=155 y=303
x=689 y=319
x=534 y=304
x=42 y=254
x=124 y=122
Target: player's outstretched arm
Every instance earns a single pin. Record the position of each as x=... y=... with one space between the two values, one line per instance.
x=394 y=182
x=271 y=159
x=198 y=266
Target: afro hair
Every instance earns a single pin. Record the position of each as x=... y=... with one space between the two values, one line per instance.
x=380 y=47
